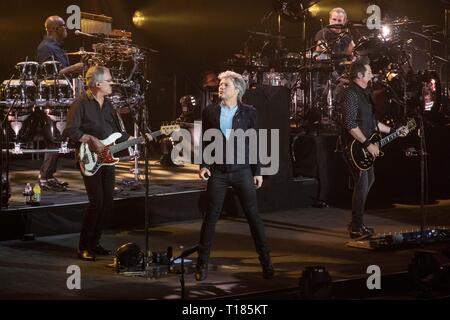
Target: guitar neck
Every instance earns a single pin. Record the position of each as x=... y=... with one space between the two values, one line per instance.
x=131 y=142
x=389 y=138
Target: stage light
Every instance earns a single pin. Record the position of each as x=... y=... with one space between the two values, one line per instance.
x=386 y=32
x=129 y=256
x=139 y=18
x=314 y=10
x=315 y=284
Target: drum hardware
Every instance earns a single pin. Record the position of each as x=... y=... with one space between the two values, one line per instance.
x=18 y=150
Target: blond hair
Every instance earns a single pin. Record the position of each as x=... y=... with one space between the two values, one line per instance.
x=339 y=10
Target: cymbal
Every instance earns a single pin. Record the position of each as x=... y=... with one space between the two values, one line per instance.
x=348 y=25
x=336 y=26
x=81 y=53
x=425 y=37
x=265 y=34
x=239 y=56
x=400 y=22
x=440 y=58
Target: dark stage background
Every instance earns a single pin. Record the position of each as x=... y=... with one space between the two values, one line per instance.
x=191 y=36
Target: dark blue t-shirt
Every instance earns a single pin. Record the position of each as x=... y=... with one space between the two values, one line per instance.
x=50 y=47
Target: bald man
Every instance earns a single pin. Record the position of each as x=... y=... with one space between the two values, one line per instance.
x=51 y=48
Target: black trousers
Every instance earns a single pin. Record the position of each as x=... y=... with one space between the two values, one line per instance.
x=243 y=185
x=100 y=188
x=48 y=167
x=362 y=183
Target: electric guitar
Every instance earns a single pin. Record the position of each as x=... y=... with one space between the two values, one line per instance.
x=91 y=161
x=361 y=158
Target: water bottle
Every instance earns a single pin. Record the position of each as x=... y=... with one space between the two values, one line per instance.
x=37 y=193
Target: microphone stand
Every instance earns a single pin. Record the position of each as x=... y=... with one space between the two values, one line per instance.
x=183 y=255
x=423 y=177
x=147 y=172
x=6 y=157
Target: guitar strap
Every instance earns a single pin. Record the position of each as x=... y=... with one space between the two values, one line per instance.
x=374 y=120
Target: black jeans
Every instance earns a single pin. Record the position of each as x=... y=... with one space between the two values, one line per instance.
x=243 y=185
x=48 y=167
x=362 y=182
x=100 y=188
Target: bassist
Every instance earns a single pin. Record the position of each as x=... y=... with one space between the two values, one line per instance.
x=359 y=124
x=91 y=118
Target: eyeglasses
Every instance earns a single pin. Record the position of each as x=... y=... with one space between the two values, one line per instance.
x=108 y=80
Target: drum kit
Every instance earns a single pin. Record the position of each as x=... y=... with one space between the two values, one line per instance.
x=317 y=75
x=36 y=99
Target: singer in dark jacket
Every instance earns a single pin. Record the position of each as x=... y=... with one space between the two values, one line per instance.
x=245 y=178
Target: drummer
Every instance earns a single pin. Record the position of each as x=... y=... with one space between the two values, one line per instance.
x=335 y=39
x=51 y=48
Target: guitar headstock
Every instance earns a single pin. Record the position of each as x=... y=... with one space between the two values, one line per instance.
x=169 y=128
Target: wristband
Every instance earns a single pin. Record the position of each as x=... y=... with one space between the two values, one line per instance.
x=366 y=143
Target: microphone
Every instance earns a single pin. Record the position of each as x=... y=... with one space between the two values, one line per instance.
x=376 y=79
x=84 y=34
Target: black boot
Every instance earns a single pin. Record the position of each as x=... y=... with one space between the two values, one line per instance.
x=361 y=231
x=267 y=268
x=201 y=271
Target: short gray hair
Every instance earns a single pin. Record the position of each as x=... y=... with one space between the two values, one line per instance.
x=339 y=10
x=94 y=75
x=238 y=81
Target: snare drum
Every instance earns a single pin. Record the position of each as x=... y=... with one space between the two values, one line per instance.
x=50 y=69
x=58 y=93
x=28 y=70
x=21 y=91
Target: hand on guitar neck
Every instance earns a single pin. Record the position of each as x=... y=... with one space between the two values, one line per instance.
x=374 y=149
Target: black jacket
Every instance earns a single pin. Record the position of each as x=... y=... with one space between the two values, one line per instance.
x=245 y=118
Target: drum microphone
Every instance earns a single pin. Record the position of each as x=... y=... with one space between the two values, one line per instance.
x=80 y=33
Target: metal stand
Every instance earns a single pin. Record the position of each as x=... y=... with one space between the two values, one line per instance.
x=5 y=130
x=423 y=176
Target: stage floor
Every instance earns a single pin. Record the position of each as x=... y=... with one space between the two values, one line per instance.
x=298 y=238
x=163 y=180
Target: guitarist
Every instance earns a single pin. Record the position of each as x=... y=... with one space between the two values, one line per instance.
x=91 y=118
x=359 y=123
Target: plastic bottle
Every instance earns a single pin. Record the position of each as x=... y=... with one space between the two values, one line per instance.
x=28 y=190
x=37 y=193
